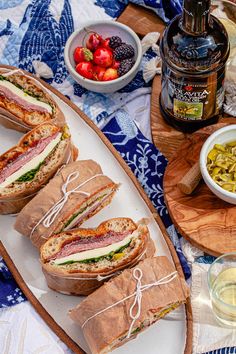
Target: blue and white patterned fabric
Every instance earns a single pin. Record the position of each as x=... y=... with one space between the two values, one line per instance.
x=37 y=30
x=10 y=294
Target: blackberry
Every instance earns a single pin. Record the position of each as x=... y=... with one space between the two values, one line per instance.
x=115 y=42
x=124 y=51
x=125 y=66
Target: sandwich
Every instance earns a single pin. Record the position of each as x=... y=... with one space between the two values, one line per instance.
x=147 y=291
x=75 y=194
x=24 y=103
x=78 y=261
x=29 y=165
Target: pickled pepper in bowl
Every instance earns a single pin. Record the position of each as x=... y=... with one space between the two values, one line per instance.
x=221 y=165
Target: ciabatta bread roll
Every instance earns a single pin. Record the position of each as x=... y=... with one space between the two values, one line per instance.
x=76 y=193
x=24 y=103
x=147 y=291
x=78 y=261
x=29 y=165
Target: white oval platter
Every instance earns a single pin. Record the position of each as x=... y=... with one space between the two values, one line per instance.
x=168 y=336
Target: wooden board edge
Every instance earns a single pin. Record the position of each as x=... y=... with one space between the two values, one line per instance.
x=141 y=191
x=37 y=305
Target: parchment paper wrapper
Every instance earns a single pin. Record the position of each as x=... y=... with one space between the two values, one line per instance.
x=14 y=203
x=102 y=332
x=79 y=284
x=52 y=193
x=11 y=121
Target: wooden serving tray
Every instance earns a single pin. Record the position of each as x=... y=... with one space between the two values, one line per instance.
x=203 y=219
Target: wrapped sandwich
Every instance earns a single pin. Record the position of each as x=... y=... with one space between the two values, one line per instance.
x=132 y=301
x=76 y=193
x=79 y=261
x=25 y=103
x=26 y=167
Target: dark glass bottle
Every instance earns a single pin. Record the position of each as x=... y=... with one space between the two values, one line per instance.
x=194 y=49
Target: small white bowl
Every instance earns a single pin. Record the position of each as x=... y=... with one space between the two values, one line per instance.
x=221 y=136
x=106 y=29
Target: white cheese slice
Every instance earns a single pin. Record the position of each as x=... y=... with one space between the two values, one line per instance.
x=98 y=252
x=20 y=93
x=30 y=165
x=75 y=220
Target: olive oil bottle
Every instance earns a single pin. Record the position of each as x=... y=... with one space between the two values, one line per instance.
x=194 y=50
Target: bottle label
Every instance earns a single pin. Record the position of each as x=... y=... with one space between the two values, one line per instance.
x=186 y=110
x=189 y=100
x=186 y=99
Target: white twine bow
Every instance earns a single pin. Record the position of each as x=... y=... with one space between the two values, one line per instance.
x=51 y=215
x=49 y=218
x=137 y=274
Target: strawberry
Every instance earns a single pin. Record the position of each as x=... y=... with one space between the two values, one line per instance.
x=94 y=41
x=82 y=54
x=85 y=69
x=105 y=44
x=110 y=74
x=115 y=64
x=103 y=57
x=98 y=72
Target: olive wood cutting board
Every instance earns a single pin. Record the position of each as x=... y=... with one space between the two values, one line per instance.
x=203 y=219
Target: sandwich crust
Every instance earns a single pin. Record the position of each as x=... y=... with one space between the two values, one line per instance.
x=56 y=242
x=15 y=116
x=16 y=195
x=82 y=278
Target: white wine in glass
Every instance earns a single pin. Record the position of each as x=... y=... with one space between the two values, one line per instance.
x=222 y=286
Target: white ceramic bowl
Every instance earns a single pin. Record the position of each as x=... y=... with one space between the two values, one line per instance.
x=220 y=136
x=106 y=29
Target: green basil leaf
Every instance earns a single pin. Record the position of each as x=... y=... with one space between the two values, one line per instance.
x=29 y=176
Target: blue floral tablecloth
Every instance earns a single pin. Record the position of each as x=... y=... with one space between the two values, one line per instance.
x=37 y=30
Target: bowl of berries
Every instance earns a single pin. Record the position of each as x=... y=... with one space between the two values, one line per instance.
x=103 y=56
